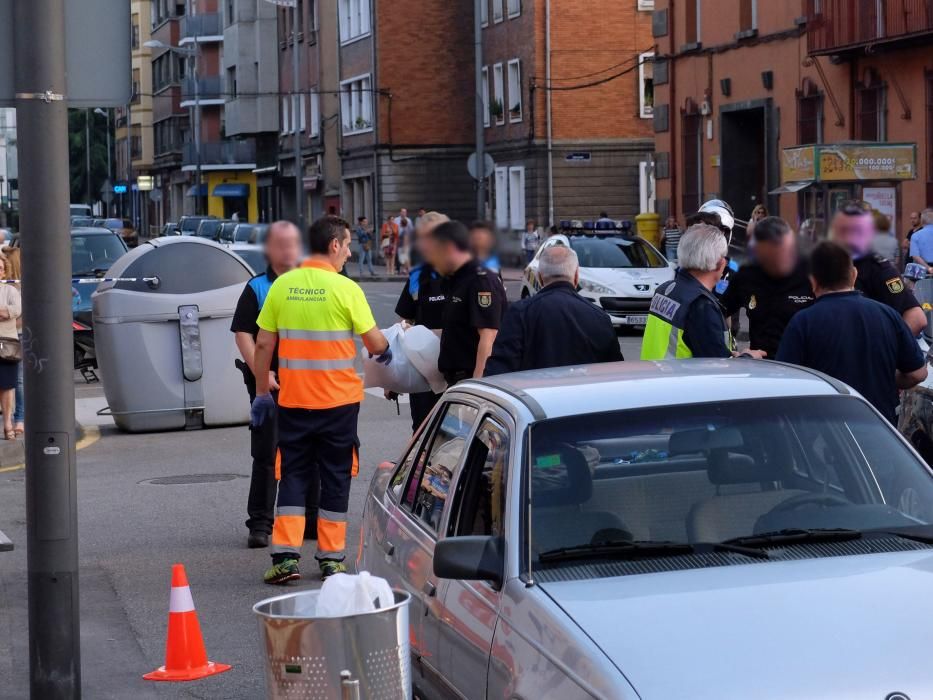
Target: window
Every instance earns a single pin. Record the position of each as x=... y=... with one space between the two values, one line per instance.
x=646 y=85
x=424 y=490
x=315 y=114
x=748 y=16
x=484 y=12
x=231 y=11
x=693 y=162
x=134 y=41
x=692 y=21
x=285 y=110
x=502 y=198
x=497 y=14
x=231 y=81
x=515 y=90
x=517 y=198
x=136 y=86
x=809 y=113
x=870 y=125
x=356 y=105
x=485 y=96
x=354 y=19
x=302 y=110
x=481 y=491
x=646 y=5
x=515 y=8
x=497 y=109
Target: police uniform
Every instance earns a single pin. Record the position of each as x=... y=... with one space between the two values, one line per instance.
x=422 y=302
x=475 y=300
x=685 y=320
x=554 y=328
x=260 y=504
x=316 y=313
x=878 y=279
x=770 y=303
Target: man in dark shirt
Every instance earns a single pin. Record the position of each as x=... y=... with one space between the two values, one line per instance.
x=422 y=303
x=853 y=227
x=556 y=327
x=475 y=304
x=772 y=288
x=283 y=253
x=858 y=341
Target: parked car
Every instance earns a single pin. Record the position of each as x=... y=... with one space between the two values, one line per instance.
x=618 y=273
x=80 y=210
x=81 y=221
x=122 y=227
x=684 y=529
x=93 y=251
x=250 y=233
x=252 y=255
x=170 y=229
x=227 y=230
x=188 y=225
x=210 y=228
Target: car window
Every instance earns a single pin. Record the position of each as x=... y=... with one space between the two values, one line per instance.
x=615 y=252
x=481 y=489
x=433 y=468
x=94 y=253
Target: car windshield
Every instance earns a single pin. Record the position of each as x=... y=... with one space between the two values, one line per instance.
x=113 y=224
x=81 y=221
x=90 y=254
x=709 y=473
x=209 y=228
x=243 y=232
x=190 y=225
x=615 y=252
x=254 y=258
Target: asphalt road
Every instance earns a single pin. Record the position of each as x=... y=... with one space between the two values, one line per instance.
x=148 y=501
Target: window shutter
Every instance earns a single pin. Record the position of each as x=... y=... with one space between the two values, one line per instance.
x=502 y=198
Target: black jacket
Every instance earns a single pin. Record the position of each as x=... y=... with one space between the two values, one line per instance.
x=554 y=328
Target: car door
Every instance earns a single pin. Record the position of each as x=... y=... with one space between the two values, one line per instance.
x=471 y=608
x=418 y=507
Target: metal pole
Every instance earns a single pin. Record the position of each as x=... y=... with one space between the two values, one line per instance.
x=87 y=153
x=197 y=129
x=296 y=86
x=109 y=162
x=480 y=117
x=51 y=503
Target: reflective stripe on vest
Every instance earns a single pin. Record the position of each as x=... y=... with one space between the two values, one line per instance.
x=317 y=367
x=261 y=286
x=664 y=331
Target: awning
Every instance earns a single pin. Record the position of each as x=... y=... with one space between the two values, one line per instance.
x=792 y=187
x=193 y=192
x=231 y=189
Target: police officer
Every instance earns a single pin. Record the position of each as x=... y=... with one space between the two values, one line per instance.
x=718 y=213
x=685 y=319
x=314 y=313
x=853 y=227
x=772 y=288
x=476 y=302
x=422 y=304
x=556 y=327
x=283 y=252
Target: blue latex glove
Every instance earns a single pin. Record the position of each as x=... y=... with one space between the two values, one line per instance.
x=261 y=410
x=385 y=358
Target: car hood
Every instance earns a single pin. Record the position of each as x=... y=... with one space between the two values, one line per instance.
x=622 y=276
x=841 y=627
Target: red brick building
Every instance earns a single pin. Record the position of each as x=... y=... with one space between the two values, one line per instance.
x=740 y=84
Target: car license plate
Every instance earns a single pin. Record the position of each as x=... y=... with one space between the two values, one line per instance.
x=636 y=320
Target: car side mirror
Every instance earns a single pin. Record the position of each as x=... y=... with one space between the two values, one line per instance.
x=470 y=559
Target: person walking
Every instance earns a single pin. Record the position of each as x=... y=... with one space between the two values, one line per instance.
x=422 y=303
x=530 y=241
x=313 y=313
x=670 y=237
x=282 y=249
x=15 y=272
x=476 y=301
x=853 y=227
x=364 y=238
x=857 y=340
x=772 y=288
x=555 y=327
x=10 y=348
x=388 y=243
x=685 y=319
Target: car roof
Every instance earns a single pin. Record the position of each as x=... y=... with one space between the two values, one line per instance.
x=619 y=386
x=92 y=231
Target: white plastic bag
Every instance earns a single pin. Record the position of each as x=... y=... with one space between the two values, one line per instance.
x=422 y=347
x=400 y=375
x=345 y=594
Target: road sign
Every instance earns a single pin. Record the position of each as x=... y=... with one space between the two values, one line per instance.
x=473 y=170
x=578 y=157
x=97 y=53
x=144 y=183
x=155 y=195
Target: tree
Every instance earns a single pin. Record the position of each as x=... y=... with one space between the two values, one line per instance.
x=77 y=158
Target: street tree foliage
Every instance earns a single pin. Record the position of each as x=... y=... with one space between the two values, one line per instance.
x=77 y=154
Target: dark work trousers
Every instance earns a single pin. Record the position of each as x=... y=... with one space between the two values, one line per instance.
x=316 y=446
x=421 y=405
x=260 y=504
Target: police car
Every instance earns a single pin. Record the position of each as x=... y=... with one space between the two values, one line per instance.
x=619 y=271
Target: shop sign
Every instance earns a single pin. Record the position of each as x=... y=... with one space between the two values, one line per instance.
x=875 y=161
x=882 y=199
x=798 y=164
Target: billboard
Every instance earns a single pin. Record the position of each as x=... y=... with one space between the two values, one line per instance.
x=849 y=162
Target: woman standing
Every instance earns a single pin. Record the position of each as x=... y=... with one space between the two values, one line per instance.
x=388 y=241
x=10 y=348
x=14 y=272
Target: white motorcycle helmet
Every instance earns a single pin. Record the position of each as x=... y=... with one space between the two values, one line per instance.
x=722 y=210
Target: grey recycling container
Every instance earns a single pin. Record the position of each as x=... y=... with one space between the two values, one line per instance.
x=308 y=656
x=164 y=346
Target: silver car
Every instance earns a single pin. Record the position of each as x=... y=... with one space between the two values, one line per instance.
x=689 y=529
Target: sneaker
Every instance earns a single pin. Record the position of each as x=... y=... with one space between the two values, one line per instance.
x=283 y=572
x=329 y=567
x=257 y=540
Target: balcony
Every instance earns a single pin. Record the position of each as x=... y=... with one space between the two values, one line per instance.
x=840 y=26
x=210 y=91
x=221 y=155
x=202 y=28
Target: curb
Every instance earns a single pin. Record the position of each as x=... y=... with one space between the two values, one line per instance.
x=13 y=452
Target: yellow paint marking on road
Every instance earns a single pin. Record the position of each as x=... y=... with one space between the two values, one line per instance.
x=91 y=435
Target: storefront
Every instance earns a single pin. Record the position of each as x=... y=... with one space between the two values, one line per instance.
x=825 y=176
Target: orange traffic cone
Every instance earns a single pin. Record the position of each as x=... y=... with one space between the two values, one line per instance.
x=185 y=656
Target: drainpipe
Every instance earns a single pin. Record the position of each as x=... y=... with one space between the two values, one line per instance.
x=376 y=103
x=672 y=107
x=550 y=129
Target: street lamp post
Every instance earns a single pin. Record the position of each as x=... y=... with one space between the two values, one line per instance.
x=109 y=146
x=87 y=153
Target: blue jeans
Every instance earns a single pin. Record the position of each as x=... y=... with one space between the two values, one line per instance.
x=529 y=256
x=19 y=413
x=366 y=257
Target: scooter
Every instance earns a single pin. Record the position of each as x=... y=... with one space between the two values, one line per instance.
x=84 y=351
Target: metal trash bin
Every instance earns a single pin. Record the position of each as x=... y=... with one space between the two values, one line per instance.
x=163 y=342
x=305 y=655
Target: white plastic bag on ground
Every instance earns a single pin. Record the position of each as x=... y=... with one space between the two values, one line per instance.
x=400 y=376
x=345 y=594
x=422 y=347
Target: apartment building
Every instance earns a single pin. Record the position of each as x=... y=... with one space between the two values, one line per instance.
x=796 y=105
x=568 y=94
x=9 y=174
